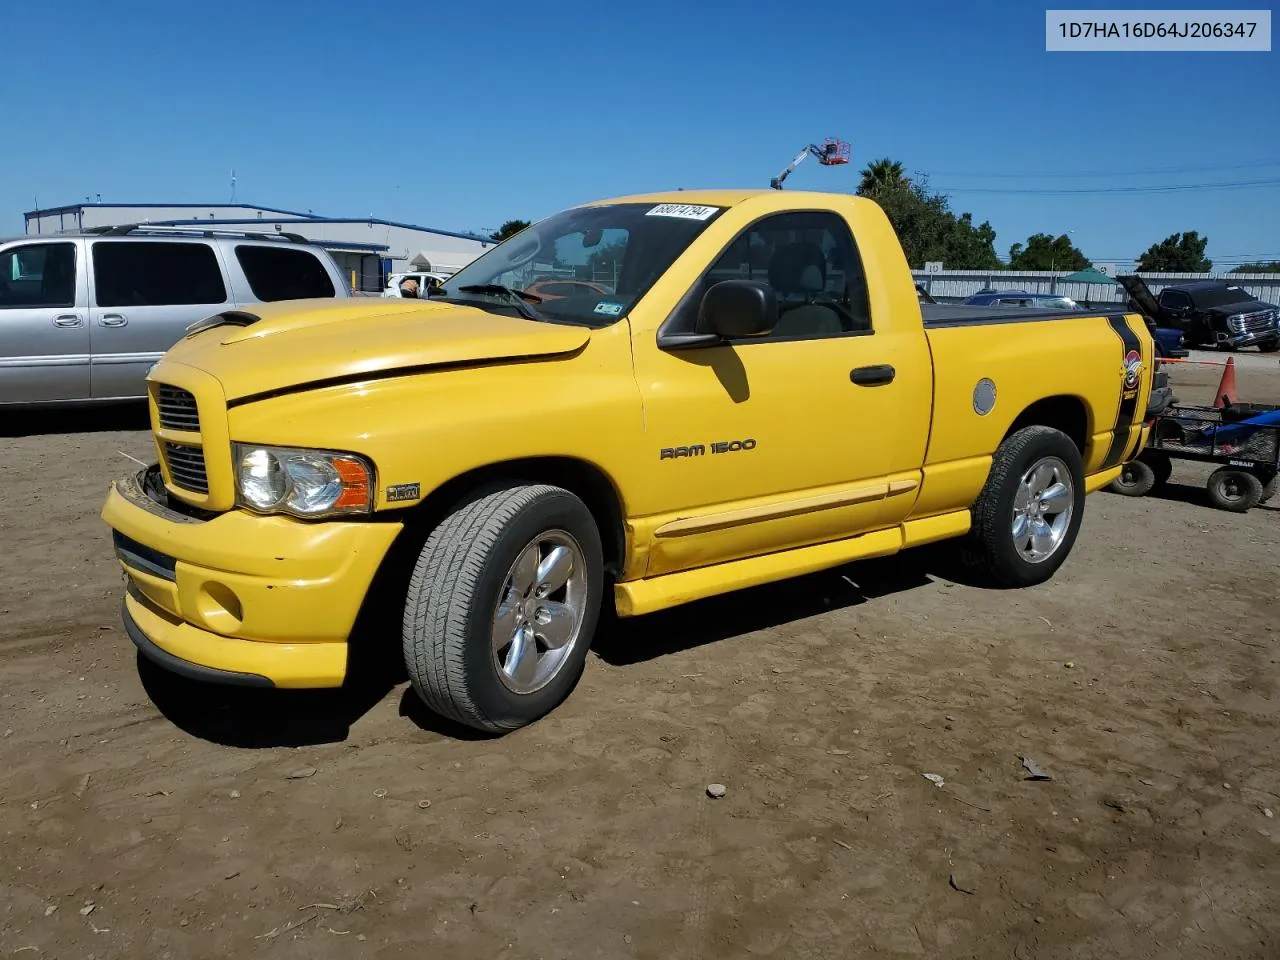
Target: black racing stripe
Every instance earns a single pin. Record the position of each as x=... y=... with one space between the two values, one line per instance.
x=1127 y=413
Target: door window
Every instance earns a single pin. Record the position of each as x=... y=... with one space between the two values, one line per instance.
x=811 y=261
x=278 y=273
x=1175 y=300
x=38 y=275
x=129 y=273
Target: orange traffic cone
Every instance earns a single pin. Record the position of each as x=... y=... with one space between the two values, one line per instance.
x=1227 y=386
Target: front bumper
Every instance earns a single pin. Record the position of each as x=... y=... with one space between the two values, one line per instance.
x=1251 y=339
x=243 y=598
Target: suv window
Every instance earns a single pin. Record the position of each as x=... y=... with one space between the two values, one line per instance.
x=1175 y=299
x=38 y=275
x=811 y=261
x=131 y=273
x=278 y=273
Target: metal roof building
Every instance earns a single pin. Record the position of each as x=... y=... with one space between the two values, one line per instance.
x=366 y=249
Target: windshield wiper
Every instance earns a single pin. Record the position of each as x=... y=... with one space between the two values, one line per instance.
x=517 y=297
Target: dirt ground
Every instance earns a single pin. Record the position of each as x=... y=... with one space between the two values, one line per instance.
x=143 y=816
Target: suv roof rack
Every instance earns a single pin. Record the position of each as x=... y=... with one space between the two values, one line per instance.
x=125 y=229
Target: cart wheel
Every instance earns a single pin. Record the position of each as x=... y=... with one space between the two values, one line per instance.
x=1136 y=479
x=1234 y=490
x=1269 y=489
x=1161 y=465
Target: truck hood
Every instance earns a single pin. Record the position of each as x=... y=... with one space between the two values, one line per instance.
x=274 y=348
x=1240 y=306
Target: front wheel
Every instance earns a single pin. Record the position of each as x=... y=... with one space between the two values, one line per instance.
x=1271 y=347
x=1234 y=490
x=502 y=605
x=1028 y=514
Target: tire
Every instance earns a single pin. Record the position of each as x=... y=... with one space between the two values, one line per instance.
x=1271 y=347
x=1269 y=489
x=1233 y=489
x=990 y=548
x=1161 y=465
x=1136 y=479
x=467 y=566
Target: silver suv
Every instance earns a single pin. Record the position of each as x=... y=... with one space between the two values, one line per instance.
x=84 y=315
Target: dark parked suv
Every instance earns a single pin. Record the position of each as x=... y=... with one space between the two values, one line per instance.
x=1210 y=313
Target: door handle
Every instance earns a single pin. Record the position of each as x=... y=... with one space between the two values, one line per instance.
x=113 y=320
x=873 y=376
x=67 y=320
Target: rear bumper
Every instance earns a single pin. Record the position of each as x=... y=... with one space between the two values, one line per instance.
x=242 y=598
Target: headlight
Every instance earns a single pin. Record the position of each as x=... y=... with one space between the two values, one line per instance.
x=305 y=483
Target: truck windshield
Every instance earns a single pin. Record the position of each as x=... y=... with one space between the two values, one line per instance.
x=1221 y=297
x=584 y=266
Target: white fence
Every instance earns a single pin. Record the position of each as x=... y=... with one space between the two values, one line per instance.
x=958 y=284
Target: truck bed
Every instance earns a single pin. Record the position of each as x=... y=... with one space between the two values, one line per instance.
x=959 y=315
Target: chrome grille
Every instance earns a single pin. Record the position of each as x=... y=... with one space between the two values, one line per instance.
x=176 y=409
x=1254 y=322
x=186 y=466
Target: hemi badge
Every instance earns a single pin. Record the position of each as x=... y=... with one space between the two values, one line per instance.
x=403 y=491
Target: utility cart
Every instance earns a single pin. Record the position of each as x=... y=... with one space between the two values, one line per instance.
x=1243 y=437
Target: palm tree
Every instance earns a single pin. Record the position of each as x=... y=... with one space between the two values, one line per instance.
x=879 y=174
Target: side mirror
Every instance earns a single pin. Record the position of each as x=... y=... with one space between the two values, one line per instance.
x=730 y=309
x=738 y=308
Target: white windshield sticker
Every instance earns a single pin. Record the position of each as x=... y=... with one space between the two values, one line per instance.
x=685 y=211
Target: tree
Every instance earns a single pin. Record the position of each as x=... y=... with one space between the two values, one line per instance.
x=1272 y=266
x=508 y=229
x=1177 y=253
x=1043 y=252
x=925 y=224
x=879 y=174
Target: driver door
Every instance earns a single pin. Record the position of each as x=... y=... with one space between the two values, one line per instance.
x=778 y=442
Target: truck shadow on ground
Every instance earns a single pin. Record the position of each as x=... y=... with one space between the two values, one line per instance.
x=131 y=415
x=256 y=718
x=621 y=642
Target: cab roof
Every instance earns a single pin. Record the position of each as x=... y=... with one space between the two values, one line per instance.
x=719 y=198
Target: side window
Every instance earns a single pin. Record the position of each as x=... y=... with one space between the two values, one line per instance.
x=281 y=273
x=1175 y=299
x=811 y=261
x=38 y=275
x=129 y=273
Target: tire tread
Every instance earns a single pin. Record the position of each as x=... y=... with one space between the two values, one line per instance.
x=438 y=601
x=988 y=525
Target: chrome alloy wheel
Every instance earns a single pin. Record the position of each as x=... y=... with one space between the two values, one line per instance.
x=538 y=618
x=1042 y=509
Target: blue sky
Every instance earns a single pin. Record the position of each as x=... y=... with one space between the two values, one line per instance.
x=460 y=116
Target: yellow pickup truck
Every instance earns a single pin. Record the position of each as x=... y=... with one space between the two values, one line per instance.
x=713 y=390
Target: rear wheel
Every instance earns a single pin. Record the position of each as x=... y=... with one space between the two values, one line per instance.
x=502 y=605
x=1136 y=479
x=1234 y=490
x=1028 y=514
x=1161 y=465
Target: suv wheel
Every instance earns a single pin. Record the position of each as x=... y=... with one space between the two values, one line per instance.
x=502 y=605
